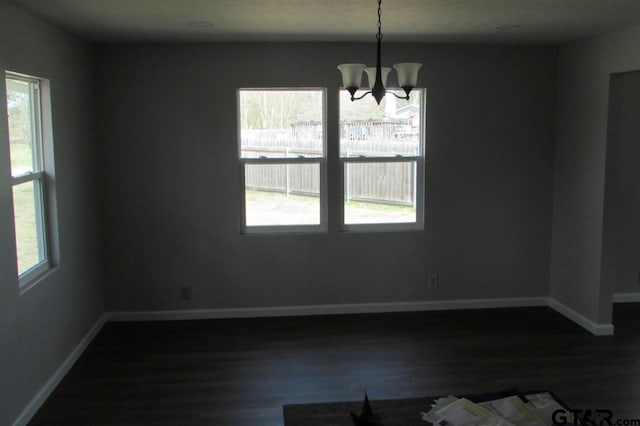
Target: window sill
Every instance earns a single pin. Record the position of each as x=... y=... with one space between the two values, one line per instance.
x=34 y=280
x=284 y=230
x=386 y=227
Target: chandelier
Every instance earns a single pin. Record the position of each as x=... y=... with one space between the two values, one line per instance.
x=352 y=73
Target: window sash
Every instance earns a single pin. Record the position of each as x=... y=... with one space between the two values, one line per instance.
x=287 y=228
x=35 y=124
x=356 y=129
x=39 y=212
x=418 y=224
x=316 y=152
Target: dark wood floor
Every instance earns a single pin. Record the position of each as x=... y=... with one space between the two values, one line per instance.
x=241 y=372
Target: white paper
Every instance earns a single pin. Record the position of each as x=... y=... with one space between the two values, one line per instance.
x=543 y=405
x=513 y=409
x=509 y=411
x=464 y=412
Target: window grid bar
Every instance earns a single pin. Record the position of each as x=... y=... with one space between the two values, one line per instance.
x=282 y=160
x=396 y=159
x=27 y=177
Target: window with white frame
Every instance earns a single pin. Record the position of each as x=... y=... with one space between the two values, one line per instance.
x=27 y=136
x=283 y=159
x=382 y=159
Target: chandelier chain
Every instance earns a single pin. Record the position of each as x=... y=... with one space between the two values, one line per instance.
x=379 y=35
x=352 y=73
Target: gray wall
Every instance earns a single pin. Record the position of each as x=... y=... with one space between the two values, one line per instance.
x=40 y=328
x=167 y=131
x=582 y=273
x=621 y=231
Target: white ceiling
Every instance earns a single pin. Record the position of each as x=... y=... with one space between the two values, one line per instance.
x=464 y=21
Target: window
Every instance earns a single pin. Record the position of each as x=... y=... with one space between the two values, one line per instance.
x=283 y=160
x=382 y=158
x=27 y=136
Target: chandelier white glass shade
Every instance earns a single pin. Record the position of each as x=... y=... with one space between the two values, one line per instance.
x=407 y=73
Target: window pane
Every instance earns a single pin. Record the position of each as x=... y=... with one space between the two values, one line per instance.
x=22 y=127
x=380 y=192
x=281 y=123
x=27 y=203
x=389 y=129
x=282 y=194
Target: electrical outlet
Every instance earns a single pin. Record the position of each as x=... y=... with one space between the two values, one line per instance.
x=185 y=293
x=433 y=281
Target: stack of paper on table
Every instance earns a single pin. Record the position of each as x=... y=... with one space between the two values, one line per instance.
x=534 y=410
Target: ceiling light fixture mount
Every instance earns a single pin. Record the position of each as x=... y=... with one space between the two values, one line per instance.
x=352 y=73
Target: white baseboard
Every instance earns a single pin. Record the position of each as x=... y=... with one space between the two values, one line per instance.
x=581 y=320
x=286 y=311
x=283 y=311
x=34 y=405
x=362 y=308
x=626 y=297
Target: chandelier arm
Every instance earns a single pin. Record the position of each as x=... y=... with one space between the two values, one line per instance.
x=406 y=97
x=354 y=98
